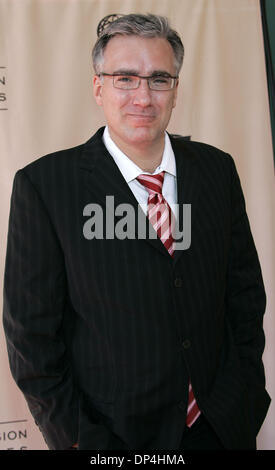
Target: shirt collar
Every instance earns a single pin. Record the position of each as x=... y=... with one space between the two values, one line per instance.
x=129 y=169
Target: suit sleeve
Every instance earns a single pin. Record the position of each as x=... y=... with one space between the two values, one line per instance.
x=246 y=302
x=35 y=310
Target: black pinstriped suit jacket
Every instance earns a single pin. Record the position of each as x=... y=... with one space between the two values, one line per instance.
x=104 y=334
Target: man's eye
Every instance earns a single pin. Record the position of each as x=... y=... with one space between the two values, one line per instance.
x=160 y=80
x=125 y=79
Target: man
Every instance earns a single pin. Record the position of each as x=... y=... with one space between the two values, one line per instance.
x=136 y=342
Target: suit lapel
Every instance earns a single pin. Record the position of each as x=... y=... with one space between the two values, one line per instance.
x=103 y=178
x=188 y=181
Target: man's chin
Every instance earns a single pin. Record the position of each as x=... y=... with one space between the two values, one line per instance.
x=137 y=136
x=141 y=134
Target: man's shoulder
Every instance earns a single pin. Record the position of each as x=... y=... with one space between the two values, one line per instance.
x=199 y=152
x=56 y=159
x=66 y=158
x=197 y=148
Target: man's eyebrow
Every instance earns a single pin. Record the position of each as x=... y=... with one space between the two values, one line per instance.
x=136 y=72
x=126 y=72
x=160 y=72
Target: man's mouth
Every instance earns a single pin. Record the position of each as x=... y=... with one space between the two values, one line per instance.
x=141 y=116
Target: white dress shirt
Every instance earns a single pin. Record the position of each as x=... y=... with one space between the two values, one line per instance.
x=130 y=171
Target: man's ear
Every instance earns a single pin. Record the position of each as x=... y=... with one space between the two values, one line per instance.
x=97 y=84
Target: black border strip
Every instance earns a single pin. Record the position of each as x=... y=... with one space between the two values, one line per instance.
x=269 y=67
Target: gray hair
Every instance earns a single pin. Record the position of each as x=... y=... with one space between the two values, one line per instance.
x=147 y=26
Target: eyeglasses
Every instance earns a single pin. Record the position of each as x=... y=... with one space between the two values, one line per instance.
x=132 y=82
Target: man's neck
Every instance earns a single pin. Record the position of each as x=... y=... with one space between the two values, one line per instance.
x=146 y=156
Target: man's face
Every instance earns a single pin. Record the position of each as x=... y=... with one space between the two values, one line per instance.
x=136 y=117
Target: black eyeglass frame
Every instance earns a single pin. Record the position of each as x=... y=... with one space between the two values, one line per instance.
x=140 y=77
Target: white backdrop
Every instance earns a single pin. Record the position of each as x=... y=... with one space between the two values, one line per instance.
x=46 y=104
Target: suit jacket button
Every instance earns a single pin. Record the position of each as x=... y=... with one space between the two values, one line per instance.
x=186 y=344
x=178 y=282
x=182 y=406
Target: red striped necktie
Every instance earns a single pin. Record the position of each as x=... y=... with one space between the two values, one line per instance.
x=162 y=219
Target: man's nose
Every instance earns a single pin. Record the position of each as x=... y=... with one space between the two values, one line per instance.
x=143 y=95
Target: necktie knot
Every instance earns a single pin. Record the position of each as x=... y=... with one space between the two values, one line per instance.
x=153 y=183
